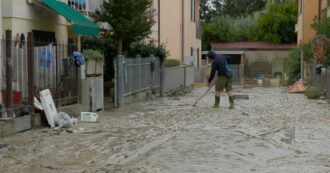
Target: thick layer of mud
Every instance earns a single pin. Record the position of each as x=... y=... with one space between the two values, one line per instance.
x=270 y=132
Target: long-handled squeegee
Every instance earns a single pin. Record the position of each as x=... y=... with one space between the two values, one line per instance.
x=211 y=86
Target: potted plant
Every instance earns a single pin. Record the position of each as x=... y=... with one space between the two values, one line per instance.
x=93 y=61
x=99 y=63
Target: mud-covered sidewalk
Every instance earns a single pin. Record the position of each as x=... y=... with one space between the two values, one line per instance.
x=271 y=132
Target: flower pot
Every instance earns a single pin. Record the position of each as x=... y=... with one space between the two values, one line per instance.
x=90 y=67
x=99 y=67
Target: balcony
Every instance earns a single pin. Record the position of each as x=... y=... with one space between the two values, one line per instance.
x=85 y=7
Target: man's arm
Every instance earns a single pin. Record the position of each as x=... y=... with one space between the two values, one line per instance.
x=212 y=72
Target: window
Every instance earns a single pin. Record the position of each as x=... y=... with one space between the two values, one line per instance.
x=192 y=10
x=300 y=6
x=42 y=38
x=328 y=3
x=191 y=51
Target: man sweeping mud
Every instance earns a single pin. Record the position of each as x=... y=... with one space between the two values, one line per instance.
x=224 y=80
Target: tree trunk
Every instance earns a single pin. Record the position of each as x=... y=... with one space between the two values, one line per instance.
x=120 y=47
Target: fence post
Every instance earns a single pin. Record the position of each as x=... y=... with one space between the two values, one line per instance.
x=241 y=74
x=185 y=76
x=115 y=67
x=120 y=81
x=140 y=77
x=162 y=78
x=152 y=68
x=9 y=75
x=30 y=47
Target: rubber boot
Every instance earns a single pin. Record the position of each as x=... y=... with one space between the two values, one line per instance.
x=217 y=102
x=231 y=101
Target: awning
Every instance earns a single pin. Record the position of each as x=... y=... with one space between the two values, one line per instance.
x=81 y=25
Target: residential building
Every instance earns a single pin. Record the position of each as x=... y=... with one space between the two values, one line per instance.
x=178 y=27
x=49 y=20
x=308 y=11
x=325 y=7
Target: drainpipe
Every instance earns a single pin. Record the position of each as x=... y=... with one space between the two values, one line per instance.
x=158 y=22
x=320 y=10
x=301 y=43
x=182 y=33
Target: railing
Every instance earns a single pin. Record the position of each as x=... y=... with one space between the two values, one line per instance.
x=29 y=67
x=85 y=7
x=13 y=78
x=136 y=75
x=178 y=77
x=56 y=71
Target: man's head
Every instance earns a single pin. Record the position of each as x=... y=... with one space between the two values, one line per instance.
x=211 y=55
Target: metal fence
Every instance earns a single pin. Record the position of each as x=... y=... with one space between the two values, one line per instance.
x=13 y=78
x=135 y=75
x=56 y=71
x=327 y=85
x=177 y=77
x=320 y=78
x=29 y=67
x=141 y=74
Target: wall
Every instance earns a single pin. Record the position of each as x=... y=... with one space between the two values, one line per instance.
x=190 y=40
x=0 y=23
x=21 y=17
x=262 y=62
x=24 y=26
x=310 y=11
x=171 y=29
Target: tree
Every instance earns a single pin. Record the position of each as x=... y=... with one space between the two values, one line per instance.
x=131 y=20
x=322 y=27
x=277 y=23
x=292 y=62
x=239 y=8
x=216 y=31
x=205 y=14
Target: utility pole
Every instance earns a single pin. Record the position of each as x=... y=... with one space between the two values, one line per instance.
x=301 y=43
x=301 y=60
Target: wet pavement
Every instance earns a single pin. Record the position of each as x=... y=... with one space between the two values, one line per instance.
x=270 y=132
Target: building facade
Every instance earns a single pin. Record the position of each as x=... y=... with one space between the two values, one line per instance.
x=45 y=19
x=178 y=27
x=308 y=10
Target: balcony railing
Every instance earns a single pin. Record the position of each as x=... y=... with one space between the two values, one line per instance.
x=85 y=7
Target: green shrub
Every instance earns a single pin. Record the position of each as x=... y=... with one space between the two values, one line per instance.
x=314 y=92
x=93 y=55
x=171 y=63
x=145 y=50
x=292 y=62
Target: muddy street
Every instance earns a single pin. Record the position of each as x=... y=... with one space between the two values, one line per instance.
x=270 y=132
